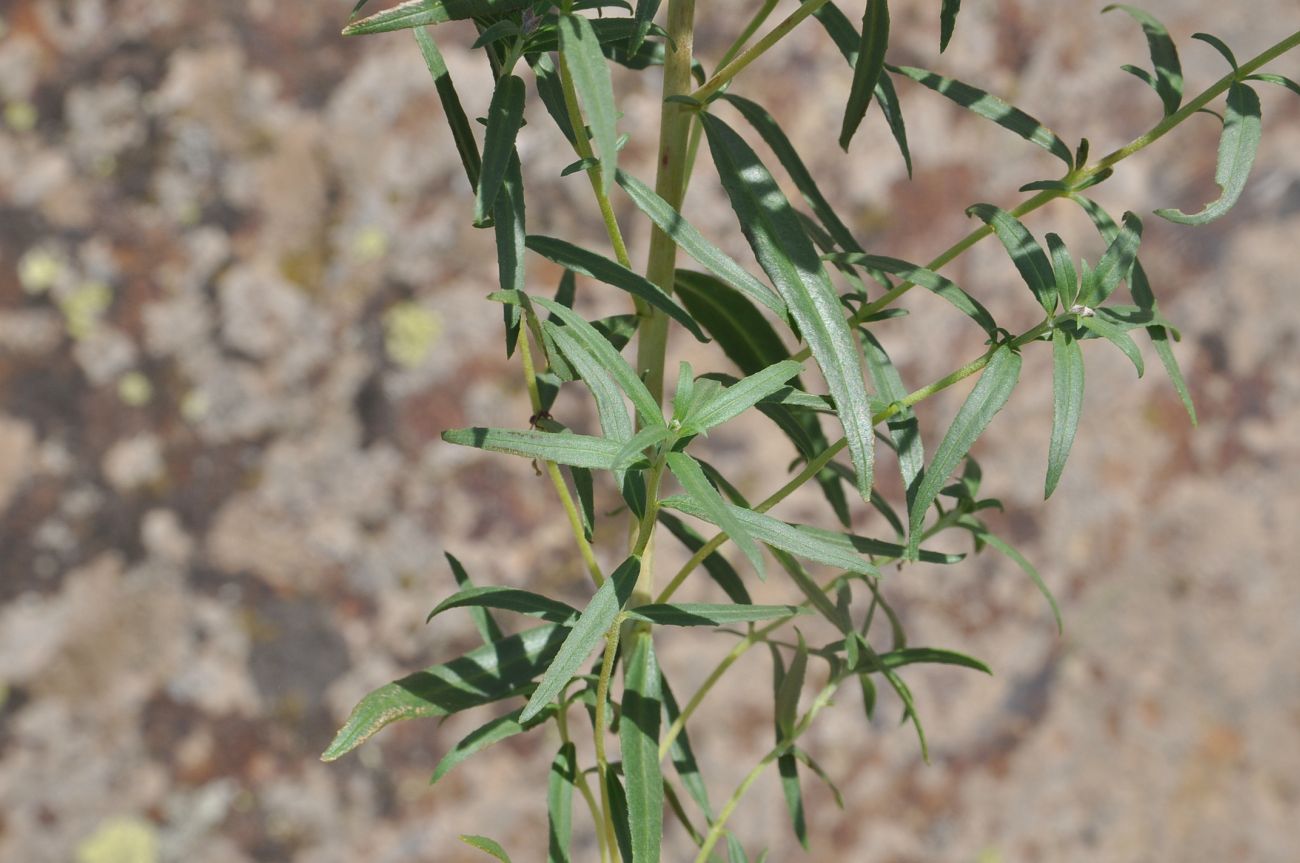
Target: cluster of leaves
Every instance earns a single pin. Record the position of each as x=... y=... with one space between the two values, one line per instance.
x=820 y=285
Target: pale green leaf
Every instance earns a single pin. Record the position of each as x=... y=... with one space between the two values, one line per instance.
x=1168 y=78
x=418 y=13
x=1067 y=403
x=580 y=48
x=1237 y=147
x=1024 y=250
x=639 y=743
x=565 y=448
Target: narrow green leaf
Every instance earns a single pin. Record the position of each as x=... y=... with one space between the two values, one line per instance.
x=487 y=846
x=482 y=676
x=591 y=627
x=694 y=244
x=508 y=217
x=639 y=744
x=571 y=449
x=615 y=423
x=608 y=358
x=461 y=131
x=494 y=33
x=1168 y=79
x=645 y=15
x=1237 y=146
x=783 y=721
x=650 y=436
x=621 y=815
x=581 y=50
x=1067 y=280
x=505 y=116
x=985 y=400
x=831 y=549
x=1116 y=264
x=928 y=279
x=774 y=137
x=788 y=257
x=992 y=108
x=487 y=627
x=1160 y=340
x=930 y=656
x=904 y=429
x=787 y=694
x=715 y=564
x=582 y=484
x=418 y=13
x=1280 y=80
x=682 y=756
x=1024 y=250
x=868 y=68
x=551 y=91
x=947 y=21
x=735 y=851
x=1218 y=45
x=508 y=599
x=1067 y=403
x=706 y=497
x=487 y=734
x=709 y=614
x=982 y=534
x=560 y=786
x=887 y=98
x=610 y=272
x=811 y=763
x=740 y=397
x=1116 y=336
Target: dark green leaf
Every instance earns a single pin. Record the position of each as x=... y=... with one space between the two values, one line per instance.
x=551 y=91
x=645 y=14
x=788 y=257
x=715 y=564
x=683 y=758
x=694 y=244
x=418 y=13
x=947 y=21
x=1237 y=146
x=904 y=430
x=1024 y=250
x=571 y=449
x=785 y=708
x=1116 y=264
x=709 y=614
x=639 y=742
x=1160 y=339
x=483 y=621
x=1116 y=336
x=487 y=846
x=582 y=484
x=508 y=216
x=868 y=68
x=706 y=497
x=927 y=279
x=1067 y=403
x=1280 y=80
x=490 y=673
x=985 y=400
x=610 y=272
x=487 y=734
x=734 y=400
x=561 y=784
x=982 y=534
x=580 y=48
x=505 y=116
x=493 y=33
x=619 y=810
x=591 y=627
x=1168 y=79
x=991 y=107
x=509 y=599
x=461 y=131
x=929 y=656
x=1067 y=280
x=887 y=98
x=787 y=694
x=811 y=763
x=1218 y=45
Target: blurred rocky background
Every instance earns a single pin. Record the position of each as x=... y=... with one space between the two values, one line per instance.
x=240 y=297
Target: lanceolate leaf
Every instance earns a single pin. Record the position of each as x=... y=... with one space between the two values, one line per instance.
x=706 y=497
x=709 y=614
x=787 y=686
x=682 y=756
x=887 y=98
x=609 y=360
x=572 y=449
x=490 y=673
x=487 y=627
x=1067 y=280
x=982 y=534
x=645 y=15
x=788 y=257
x=1067 y=403
x=1237 y=146
x=1024 y=250
x=509 y=599
x=487 y=846
x=581 y=50
x=461 y=131
x=505 y=115
x=740 y=397
x=991 y=107
x=1116 y=264
x=418 y=13
x=868 y=68
x=591 y=627
x=927 y=279
x=1168 y=80
x=904 y=429
x=930 y=656
x=561 y=784
x=639 y=743
x=715 y=564
x=509 y=218
x=614 y=421
x=985 y=400
x=947 y=21
x=1280 y=80
x=694 y=244
x=619 y=811
x=589 y=263
x=485 y=735
x=1116 y=336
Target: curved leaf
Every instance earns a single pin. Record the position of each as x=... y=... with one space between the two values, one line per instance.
x=1168 y=79
x=418 y=13
x=508 y=216
x=788 y=257
x=487 y=734
x=508 y=599
x=487 y=627
x=591 y=627
x=487 y=846
x=1067 y=403
x=490 y=673
x=1237 y=146
x=1116 y=264
x=985 y=400
x=868 y=68
x=928 y=279
x=710 y=614
x=947 y=21
x=982 y=534
x=461 y=131
x=904 y=429
x=505 y=116
x=1024 y=250
x=930 y=656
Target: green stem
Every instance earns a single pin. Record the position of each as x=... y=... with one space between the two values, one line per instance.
x=553 y=470
x=562 y=726
x=759 y=48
